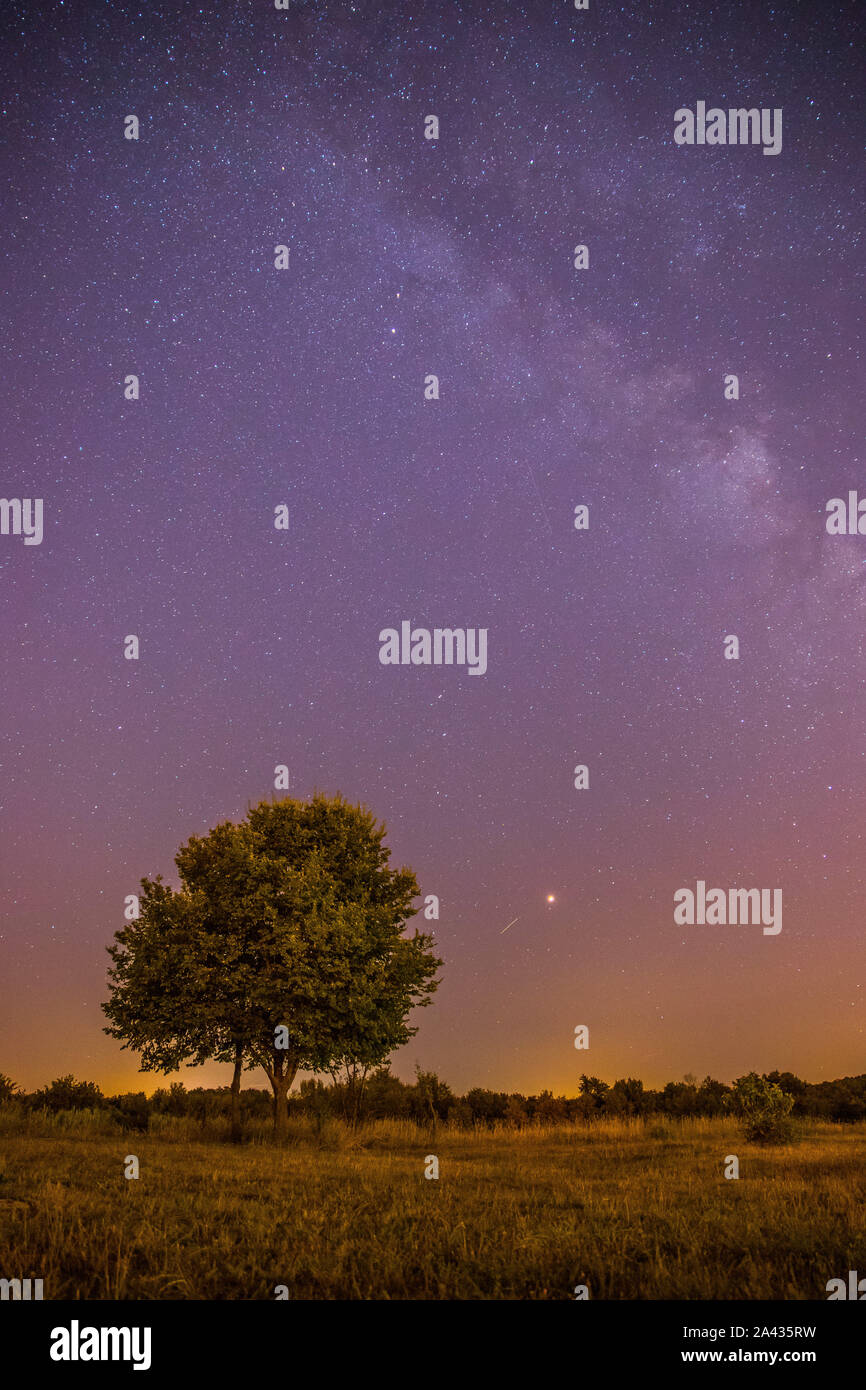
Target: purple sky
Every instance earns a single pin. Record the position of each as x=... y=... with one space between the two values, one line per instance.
x=557 y=387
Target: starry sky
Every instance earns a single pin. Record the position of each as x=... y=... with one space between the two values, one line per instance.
x=558 y=387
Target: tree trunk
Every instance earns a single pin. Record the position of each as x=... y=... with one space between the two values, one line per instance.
x=280 y=1085
x=281 y=1071
x=359 y=1092
x=236 y=1094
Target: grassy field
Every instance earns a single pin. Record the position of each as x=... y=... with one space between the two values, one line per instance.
x=632 y=1211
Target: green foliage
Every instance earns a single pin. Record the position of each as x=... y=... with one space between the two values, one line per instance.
x=627 y=1097
x=711 y=1097
x=380 y=1095
x=679 y=1098
x=131 y=1111
x=8 y=1088
x=431 y=1097
x=763 y=1108
x=594 y=1091
x=386 y=1095
x=486 y=1106
x=68 y=1094
x=515 y=1111
x=550 y=1109
x=292 y=918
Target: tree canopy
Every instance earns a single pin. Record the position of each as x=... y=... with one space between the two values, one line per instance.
x=283 y=947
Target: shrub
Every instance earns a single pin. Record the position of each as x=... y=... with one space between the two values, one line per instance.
x=8 y=1089
x=515 y=1111
x=68 y=1094
x=763 y=1109
x=131 y=1111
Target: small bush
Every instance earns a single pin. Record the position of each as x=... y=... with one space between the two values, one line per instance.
x=131 y=1111
x=763 y=1108
x=8 y=1088
x=68 y=1094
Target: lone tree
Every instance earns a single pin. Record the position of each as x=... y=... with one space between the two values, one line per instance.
x=283 y=948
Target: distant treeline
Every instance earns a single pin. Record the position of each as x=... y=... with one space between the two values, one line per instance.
x=430 y=1099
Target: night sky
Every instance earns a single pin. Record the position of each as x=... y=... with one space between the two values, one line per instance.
x=558 y=387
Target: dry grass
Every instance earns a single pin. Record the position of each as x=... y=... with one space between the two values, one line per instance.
x=514 y=1215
